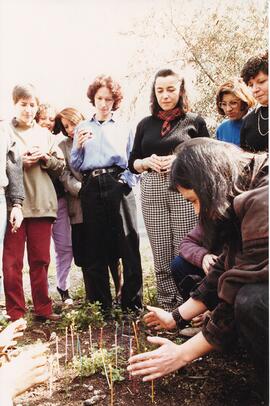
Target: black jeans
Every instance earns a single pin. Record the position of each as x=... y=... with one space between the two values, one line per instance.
x=110 y=218
x=252 y=318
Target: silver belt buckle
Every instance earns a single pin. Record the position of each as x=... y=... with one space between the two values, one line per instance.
x=98 y=172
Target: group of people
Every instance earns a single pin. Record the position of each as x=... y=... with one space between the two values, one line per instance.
x=71 y=178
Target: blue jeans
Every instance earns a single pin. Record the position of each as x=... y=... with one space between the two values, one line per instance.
x=186 y=276
x=3 y=225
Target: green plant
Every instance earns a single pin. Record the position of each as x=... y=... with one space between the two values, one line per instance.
x=87 y=314
x=90 y=365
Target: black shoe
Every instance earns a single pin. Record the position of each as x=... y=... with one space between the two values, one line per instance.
x=65 y=296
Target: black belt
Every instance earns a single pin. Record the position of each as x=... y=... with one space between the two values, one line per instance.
x=101 y=171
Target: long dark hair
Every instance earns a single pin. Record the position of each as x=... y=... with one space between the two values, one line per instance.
x=217 y=172
x=183 y=102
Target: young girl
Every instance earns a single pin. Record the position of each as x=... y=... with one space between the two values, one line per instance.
x=41 y=160
x=61 y=231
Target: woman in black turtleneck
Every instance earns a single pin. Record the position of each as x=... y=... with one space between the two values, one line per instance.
x=168 y=217
x=255 y=130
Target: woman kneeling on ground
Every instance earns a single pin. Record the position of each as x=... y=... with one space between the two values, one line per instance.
x=228 y=186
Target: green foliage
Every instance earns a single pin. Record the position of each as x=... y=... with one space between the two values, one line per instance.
x=90 y=365
x=87 y=314
x=78 y=293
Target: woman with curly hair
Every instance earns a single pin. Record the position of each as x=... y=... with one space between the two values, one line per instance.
x=167 y=216
x=100 y=151
x=255 y=130
x=233 y=101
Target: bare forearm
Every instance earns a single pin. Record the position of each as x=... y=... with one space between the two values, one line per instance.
x=191 y=308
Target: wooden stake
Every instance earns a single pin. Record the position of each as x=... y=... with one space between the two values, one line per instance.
x=116 y=357
x=66 y=346
x=101 y=338
x=90 y=339
x=111 y=378
x=72 y=340
x=136 y=336
x=105 y=369
x=57 y=355
x=152 y=391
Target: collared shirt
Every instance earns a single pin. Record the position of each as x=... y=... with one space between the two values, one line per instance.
x=110 y=145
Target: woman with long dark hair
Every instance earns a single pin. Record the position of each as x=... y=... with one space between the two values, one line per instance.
x=167 y=216
x=228 y=186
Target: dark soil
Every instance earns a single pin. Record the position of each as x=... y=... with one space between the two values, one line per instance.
x=216 y=380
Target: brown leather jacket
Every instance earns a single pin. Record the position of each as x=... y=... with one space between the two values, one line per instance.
x=245 y=261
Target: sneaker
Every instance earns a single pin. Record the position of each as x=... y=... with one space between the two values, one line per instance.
x=65 y=296
x=51 y=317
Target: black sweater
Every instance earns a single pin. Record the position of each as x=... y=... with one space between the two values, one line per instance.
x=148 y=140
x=250 y=137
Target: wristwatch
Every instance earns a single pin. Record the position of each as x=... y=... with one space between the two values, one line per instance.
x=180 y=322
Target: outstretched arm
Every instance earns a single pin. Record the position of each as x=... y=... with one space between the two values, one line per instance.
x=168 y=357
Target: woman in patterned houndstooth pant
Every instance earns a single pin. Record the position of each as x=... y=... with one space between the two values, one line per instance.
x=167 y=216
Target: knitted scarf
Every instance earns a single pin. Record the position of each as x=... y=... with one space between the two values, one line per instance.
x=168 y=116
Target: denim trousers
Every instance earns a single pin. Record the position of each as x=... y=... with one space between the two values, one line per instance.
x=185 y=275
x=110 y=219
x=3 y=224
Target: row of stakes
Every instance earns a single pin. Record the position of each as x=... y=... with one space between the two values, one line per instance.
x=108 y=375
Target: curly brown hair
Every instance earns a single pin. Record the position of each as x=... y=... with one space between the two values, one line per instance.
x=254 y=65
x=113 y=86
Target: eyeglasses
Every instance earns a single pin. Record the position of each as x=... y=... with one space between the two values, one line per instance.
x=232 y=105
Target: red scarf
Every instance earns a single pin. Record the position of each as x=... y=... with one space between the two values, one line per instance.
x=168 y=116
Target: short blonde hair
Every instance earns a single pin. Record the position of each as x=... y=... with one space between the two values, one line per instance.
x=71 y=114
x=24 y=91
x=238 y=88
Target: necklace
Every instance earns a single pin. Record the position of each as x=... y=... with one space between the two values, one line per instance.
x=260 y=116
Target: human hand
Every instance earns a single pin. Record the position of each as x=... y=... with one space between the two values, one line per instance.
x=11 y=332
x=15 y=218
x=32 y=156
x=154 y=364
x=159 y=318
x=83 y=136
x=153 y=162
x=208 y=261
x=29 y=368
x=199 y=320
x=166 y=162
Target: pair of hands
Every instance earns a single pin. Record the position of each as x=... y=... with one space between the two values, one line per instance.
x=165 y=359
x=169 y=356
x=33 y=156
x=29 y=368
x=158 y=163
x=22 y=372
x=83 y=136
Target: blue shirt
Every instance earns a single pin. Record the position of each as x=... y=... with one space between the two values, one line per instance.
x=229 y=131
x=111 y=145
